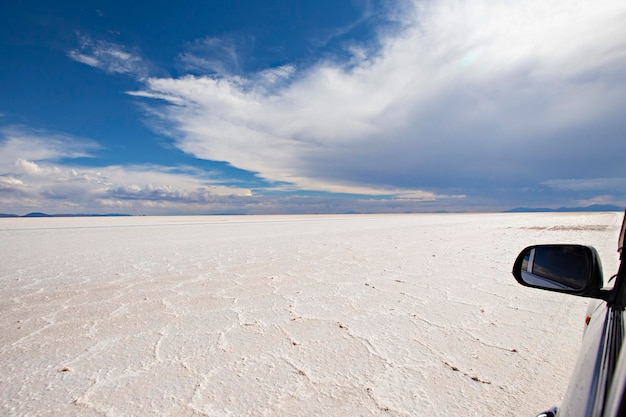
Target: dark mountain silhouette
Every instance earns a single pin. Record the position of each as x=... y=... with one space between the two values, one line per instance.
x=39 y=214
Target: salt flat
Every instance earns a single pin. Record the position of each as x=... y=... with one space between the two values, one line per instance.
x=370 y=315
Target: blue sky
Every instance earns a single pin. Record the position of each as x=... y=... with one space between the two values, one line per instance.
x=287 y=106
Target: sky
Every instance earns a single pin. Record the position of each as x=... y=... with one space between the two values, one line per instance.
x=297 y=106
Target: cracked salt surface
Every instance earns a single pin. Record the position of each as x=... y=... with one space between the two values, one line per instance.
x=400 y=315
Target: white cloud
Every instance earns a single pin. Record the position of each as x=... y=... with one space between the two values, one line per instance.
x=468 y=93
x=212 y=55
x=85 y=59
x=27 y=167
x=277 y=75
x=31 y=178
x=26 y=144
x=324 y=37
x=8 y=183
x=65 y=188
x=108 y=57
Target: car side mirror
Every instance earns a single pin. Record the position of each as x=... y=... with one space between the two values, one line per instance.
x=570 y=269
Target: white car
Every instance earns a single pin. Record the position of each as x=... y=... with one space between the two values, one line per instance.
x=597 y=385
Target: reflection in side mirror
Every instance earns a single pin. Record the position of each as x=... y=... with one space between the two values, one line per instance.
x=573 y=269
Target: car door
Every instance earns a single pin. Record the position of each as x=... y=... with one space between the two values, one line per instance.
x=615 y=405
x=592 y=376
x=598 y=383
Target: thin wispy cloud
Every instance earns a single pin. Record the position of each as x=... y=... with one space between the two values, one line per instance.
x=458 y=98
x=19 y=142
x=212 y=55
x=368 y=12
x=276 y=76
x=109 y=57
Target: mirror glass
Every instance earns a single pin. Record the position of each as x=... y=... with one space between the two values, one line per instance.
x=560 y=267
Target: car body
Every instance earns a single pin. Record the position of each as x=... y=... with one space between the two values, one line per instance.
x=597 y=386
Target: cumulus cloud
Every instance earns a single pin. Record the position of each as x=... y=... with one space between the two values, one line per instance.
x=8 y=183
x=467 y=95
x=27 y=167
x=33 y=178
x=132 y=188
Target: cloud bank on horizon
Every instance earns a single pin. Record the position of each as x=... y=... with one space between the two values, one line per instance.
x=458 y=105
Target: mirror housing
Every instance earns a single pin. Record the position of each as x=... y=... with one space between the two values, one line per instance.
x=570 y=269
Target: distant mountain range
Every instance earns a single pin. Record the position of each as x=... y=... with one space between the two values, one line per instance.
x=592 y=208
x=595 y=207
x=37 y=214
